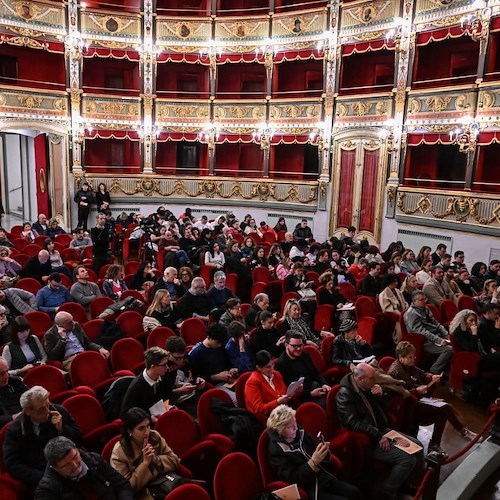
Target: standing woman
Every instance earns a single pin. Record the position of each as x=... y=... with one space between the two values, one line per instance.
x=84 y=198
x=102 y=197
x=142 y=454
x=24 y=351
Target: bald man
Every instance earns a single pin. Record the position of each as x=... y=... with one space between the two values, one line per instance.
x=66 y=339
x=38 y=267
x=359 y=410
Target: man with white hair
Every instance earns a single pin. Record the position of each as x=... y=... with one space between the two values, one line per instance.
x=66 y=339
x=260 y=303
x=41 y=226
x=11 y=389
x=195 y=303
x=38 y=267
x=27 y=435
x=170 y=282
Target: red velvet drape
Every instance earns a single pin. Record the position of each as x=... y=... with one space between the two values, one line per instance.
x=368 y=191
x=42 y=174
x=347 y=166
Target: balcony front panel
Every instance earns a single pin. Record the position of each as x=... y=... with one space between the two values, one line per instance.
x=299 y=30
x=488 y=106
x=234 y=116
x=111 y=29
x=241 y=35
x=370 y=111
x=292 y=113
x=102 y=111
x=182 y=116
x=182 y=34
x=457 y=211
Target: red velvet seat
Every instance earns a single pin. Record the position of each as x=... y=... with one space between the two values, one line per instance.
x=333 y=372
x=193 y=330
x=159 y=336
x=232 y=282
x=131 y=266
x=348 y=291
x=16 y=230
x=90 y=418
x=286 y=297
x=98 y=305
x=188 y=491
x=103 y=271
x=435 y=312
x=32 y=249
x=466 y=302
x=20 y=243
x=274 y=290
x=131 y=324
x=39 y=322
x=269 y=238
x=208 y=421
x=71 y=255
x=13 y=485
x=448 y=310
x=259 y=287
x=386 y=362
x=237 y=477
x=93 y=328
x=261 y=274
x=107 y=451
x=76 y=310
x=52 y=379
x=239 y=389
x=324 y=317
x=64 y=239
x=127 y=354
x=463 y=365
x=313 y=276
x=199 y=455
x=29 y=284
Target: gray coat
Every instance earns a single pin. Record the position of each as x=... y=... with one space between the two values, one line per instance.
x=420 y=320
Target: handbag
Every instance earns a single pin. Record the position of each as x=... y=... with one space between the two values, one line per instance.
x=163 y=484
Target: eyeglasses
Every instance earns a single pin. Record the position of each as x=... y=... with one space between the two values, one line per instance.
x=296 y=346
x=182 y=357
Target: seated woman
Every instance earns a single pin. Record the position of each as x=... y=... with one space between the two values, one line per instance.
x=391 y=301
x=284 y=268
x=247 y=248
x=9 y=268
x=396 y=259
x=186 y=275
x=114 y=285
x=423 y=254
x=410 y=284
x=330 y=293
x=161 y=313
x=266 y=337
x=55 y=229
x=464 y=329
x=144 y=278
x=409 y=263
x=293 y=320
x=258 y=258
x=349 y=346
x=56 y=261
x=265 y=388
x=233 y=312
x=214 y=257
x=417 y=382
x=24 y=351
x=425 y=273
x=237 y=348
x=28 y=233
x=477 y=278
x=490 y=295
x=296 y=458
x=275 y=255
x=464 y=283
x=142 y=455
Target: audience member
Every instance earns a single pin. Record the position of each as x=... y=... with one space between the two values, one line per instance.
x=161 y=312
x=419 y=319
x=144 y=278
x=349 y=346
x=28 y=233
x=477 y=273
x=171 y=283
x=490 y=295
x=424 y=275
x=437 y=288
x=391 y=300
x=266 y=337
x=80 y=241
x=114 y=284
x=489 y=328
x=409 y=263
x=17 y=301
x=370 y=283
x=436 y=256
x=83 y=290
x=55 y=229
x=237 y=347
x=11 y=389
x=53 y=295
x=84 y=198
x=493 y=271
x=25 y=439
x=9 y=268
x=4 y=241
x=219 y=293
x=233 y=313
x=260 y=303
x=101 y=235
x=195 y=303
x=360 y=270
x=38 y=267
x=464 y=283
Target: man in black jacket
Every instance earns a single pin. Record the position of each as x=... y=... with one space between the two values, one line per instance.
x=84 y=198
x=27 y=435
x=11 y=389
x=38 y=267
x=101 y=236
x=358 y=410
x=370 y=284
x=74 y=474
x=295 y=362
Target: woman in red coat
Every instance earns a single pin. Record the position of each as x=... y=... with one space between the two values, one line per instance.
x=265 y=388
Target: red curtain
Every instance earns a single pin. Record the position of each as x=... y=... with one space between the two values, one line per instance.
x=42 y=174
x=369 y=191
x=347 y=165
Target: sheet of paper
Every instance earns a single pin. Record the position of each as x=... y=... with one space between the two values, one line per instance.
x=290 y=492
x=295 y=386
x=403 y=443
x=158 y=408
x=347 y=307
x=438 y=403
x=364 y=360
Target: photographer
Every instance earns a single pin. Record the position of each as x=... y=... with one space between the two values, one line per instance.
x=102 y=235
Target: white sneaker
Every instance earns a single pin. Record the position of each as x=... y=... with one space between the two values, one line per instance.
x=468 y=434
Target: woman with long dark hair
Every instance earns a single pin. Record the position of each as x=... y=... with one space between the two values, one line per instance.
x=102 y=197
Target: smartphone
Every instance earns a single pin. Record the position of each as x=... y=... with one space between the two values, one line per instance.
x=320 y=437
x=199 y=382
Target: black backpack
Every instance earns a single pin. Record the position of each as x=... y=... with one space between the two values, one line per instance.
x=480 y=391
x=111 y=332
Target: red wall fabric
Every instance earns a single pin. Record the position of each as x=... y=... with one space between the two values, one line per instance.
x=369 y=191
x=42 y=174
x=344 y=209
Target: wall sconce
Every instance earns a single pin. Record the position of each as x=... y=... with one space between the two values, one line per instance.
x=209 y=135
x=394 y=35
x=465 y=137
x=211 y=53
x=476 y=24
x=264 y=135
x=148 y=133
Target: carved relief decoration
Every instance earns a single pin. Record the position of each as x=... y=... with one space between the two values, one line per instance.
x=437 y=104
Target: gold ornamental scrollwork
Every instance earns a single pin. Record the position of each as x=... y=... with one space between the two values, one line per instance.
x=437 y=104
x=486 y=100
x=361 y=108
x=29 y=101
x=462 y=103
x=391 y=195
x=3 y=100
x=27 y=10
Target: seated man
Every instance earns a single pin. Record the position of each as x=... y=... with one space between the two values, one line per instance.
x=295 y=362
x=17 y=301
x=219 y=294
x=84 y=291
x=195 y=303
x=11 y=389
x=80 y=241
x=170 y=282
x=209 y=360
x=65 y=339
x=260 y=303
x=437 y=289
x=360 y=270
x=154 y=384
x=419 y=319
x=27 y=435
x=489 y=329
x=370 y=284
x=4 y=241
x=41 y=226
x=493 y=271
x=358 y=410
x=53 y=295
x=38 y=267
x=73 y=473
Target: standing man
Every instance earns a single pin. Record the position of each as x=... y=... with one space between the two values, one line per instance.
x=101 y=235
x=84 y=198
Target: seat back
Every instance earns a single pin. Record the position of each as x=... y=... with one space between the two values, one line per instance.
x=313 y=276
x=274 y=290
x=463 y=365
x=209 y=422
x=237 y=476
x=348 y=291
x=76 y=310
x=89 y=368
x=131 y=323
x=327 y=350
x=435 y=312
x=86 y=411
x=448 y=310
x=313 y=419
x=32 y=249
x=158 y=336
x=29 y=284
x=193 y=330
x=49 y=377
x=191 y=491
x=71 y=254
x=98 y=305
x=169 y=424
x=286 y=297
x=93 y=328
x=366 y=328
x=20 y=243
x=365 y=307
x=239 y=389
x=257 y=287
x=386 y=362
x=263 y=458
x=107 y=451
x=63 y=239
x=324 y=317
x=39 y=322
x=232 y=282
x=316 y=358
x=261 y=274
x=127 y=354
x=466 y=302
x=131 y=266
x=269 y=238
x=331 y=408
